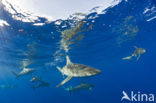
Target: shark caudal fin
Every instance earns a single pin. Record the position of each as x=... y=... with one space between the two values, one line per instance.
x=17 y=76
x=64 y=81
x=68 y=60
x=127 y=58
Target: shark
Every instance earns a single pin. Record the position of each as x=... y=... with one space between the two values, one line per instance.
x=82 y=86
x=25 y=71
x=76 y=70
x=41 y=84
x=137 y=53
x=7 y=86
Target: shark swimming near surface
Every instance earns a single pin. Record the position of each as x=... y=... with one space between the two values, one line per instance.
x=25 y=71
x=82 y=86
x=76 y=70
x=137 y=53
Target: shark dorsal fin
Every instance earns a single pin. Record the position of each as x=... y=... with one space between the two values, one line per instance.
x=68 y=60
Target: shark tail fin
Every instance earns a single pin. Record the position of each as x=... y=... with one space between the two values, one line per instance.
x=127 y=58
x=17 y=76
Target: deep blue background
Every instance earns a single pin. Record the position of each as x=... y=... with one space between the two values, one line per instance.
x=102 y=47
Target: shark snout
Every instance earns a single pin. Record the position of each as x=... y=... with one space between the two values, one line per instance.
x=98 y=71
x=142 y=50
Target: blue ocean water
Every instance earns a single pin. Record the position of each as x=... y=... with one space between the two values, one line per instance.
x=98 y=40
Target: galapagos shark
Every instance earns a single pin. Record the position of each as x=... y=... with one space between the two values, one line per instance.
x=76 y=70
x=25 y=71
x=3 y=86
x=137 y=53
x=82 y=86
x=41 y=84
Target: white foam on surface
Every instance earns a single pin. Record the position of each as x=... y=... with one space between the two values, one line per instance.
x=3 y=23
x=38 y=24
x=29 y=10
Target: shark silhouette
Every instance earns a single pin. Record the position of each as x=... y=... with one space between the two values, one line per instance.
x=137 y=53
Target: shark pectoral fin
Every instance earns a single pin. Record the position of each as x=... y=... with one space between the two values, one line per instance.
x=64 y=81
x=59 y=68
x=138 y=57
x=127 y=58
